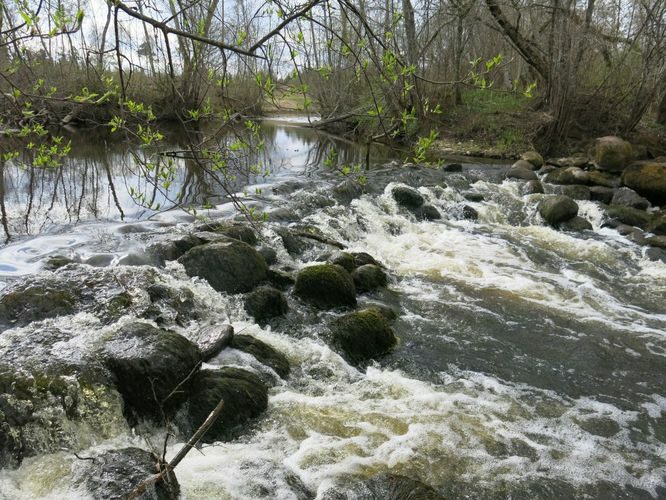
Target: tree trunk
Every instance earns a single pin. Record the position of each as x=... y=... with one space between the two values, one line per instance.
x=661 y=110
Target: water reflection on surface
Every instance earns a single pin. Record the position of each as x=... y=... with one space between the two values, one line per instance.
x=100 y=179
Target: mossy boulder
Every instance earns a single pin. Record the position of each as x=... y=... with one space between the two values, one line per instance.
x=245 y=397
x=647 y=179
x=115 y=474
x=602 y=194
x=362 y=335
x=605 y=179
x=344 y=259
x=407 y=197
x=612 y=153
x=265 y=303
x=557 y=209
x=363 y=258
x=228 y=266
x=628 y=215
x=568 y=175
x=369 y=277
x=576 y=224
x=575 y=191
x=148 y=364
x=533 y=158
x=167 y=250
x=326 y=286
x=264 y=353
x=658 y=224
x=36 y=299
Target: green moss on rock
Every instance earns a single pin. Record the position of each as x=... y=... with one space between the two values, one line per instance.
x=326 y=286
x=363 y=335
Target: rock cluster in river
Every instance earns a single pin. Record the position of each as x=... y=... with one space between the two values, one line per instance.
x=629 y=190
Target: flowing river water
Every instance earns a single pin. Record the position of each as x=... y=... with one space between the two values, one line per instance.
x=531 y=362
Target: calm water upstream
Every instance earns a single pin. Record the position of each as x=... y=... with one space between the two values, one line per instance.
x=531 y=363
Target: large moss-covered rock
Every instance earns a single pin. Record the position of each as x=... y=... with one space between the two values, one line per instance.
x=115 y=474
x=647 y=179
x=605 y=179
x=344 y=259
x=54 y=393
x=612 y=153
x=148 y=364
x=233 y=230
x=245 y=397
x=369 y=277
x=229 y=266
x=36 y=299
x=362 y=335
x=263 y=352
x=326 y=286
x=265 y=303
x=556 y=209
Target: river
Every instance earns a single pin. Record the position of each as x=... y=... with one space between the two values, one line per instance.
x=531 y=361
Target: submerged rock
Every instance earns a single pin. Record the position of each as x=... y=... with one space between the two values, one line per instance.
x=381 y=487
x=264 y=353
x=37 y=299
x=326 y=286
x=245 y=397
x=148 y=365
x=612 y=153
x=452 y=167
x=115 y=474
x=265 y=303
x=427 y=212
x=628 y=215
x=369 y=277
x=532 y=187
x=233 y=230
x=556 y=209
x=576 y=224
x=231 y=266
x=363 y=335
x=647 y=179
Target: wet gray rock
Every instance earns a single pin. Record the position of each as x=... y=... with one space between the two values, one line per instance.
x=231 y=266
x=658 y=224
x=163 y=251
x=362 y=258
x=245 y=398
x=369 y=277
x=469 y=213
x=605 y=179
x=629 y=198
x=212 y=339
x=57 y=261
x=476 y=197
x=148 y=364
x=381 y=487
x=264 y=353
x=656 y=254
x=348 y=190
x=362 y=335
x=326 y=286
x=575 y=192
x=407 y=197
x=115 y=474
x=557 y=209
x=428 y=212
x=36 y=299
x=576 y=224
x=532 y=187
x=269 y=255
x=265 y=303
x=280 y=279
x=452 y=167
x=233 y=230
x=521 y=172
x=283 y=214
x=601 y=193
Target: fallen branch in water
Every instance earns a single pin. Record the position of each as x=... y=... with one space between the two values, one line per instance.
x=166 y=469
x=319 y=238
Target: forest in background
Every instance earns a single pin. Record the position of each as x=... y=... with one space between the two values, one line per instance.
x=382 y=70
